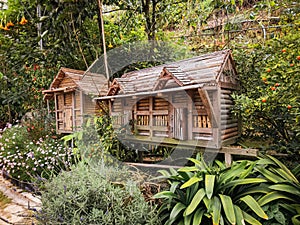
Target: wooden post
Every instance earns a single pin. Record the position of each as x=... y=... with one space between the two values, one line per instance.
x=55 y=110
x=190 y=116
x=74 y=128
x=150 y=122
x=228 y=159
x=81 y=108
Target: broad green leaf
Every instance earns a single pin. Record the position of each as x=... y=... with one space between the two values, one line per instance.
x=174 y=185
x=173 y=171
x=279 y=216
x=274 y=195
x=165 y=194
x=285 y=169
x=296 y=170
x=216 y=210
x=188 y=169
x=246 y=172
x=188 y=219
x=228 y=208
x=220 y=164
x=209 y=185
x=288 y=207
x=252 y=203
x=242 y=182
x=296 y=220
x=269 y=175
x=195 y=201
x=176 y=210
x=285 y=188
x=164 y=173
x=253 y=190
x=250 y=219
x=191 y=191
x=198 y=216
x=197 y=163
x=238 y=215
x=186 y=175
x=264 y=161
x=285 y=175
x=190 y=182
x=232 y=172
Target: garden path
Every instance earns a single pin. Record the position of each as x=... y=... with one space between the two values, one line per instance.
x=22 y=206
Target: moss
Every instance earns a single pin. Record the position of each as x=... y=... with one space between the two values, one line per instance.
x=4 y=200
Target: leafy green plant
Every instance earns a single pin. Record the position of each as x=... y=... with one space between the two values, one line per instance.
x=203 y=193
x=269 y=101
x=95 y=193
x=283 y=188
x=98 y=137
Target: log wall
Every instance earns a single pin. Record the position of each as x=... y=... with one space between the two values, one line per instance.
x=229 y=124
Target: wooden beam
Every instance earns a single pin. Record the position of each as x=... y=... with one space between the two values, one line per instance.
x=162 y=166
x=239 y=151
x=209 y=107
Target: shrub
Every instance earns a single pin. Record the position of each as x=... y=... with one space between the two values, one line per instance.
x=94 y=193
x=268 y=102
x=25 y=160
x=98 y=137
x=245 y=192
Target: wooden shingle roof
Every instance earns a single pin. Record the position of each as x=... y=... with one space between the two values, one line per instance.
x=204 y=69
x=89 y=83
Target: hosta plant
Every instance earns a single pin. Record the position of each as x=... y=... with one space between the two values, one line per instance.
x=283 y=188
x=202 y=193
x=248 y=192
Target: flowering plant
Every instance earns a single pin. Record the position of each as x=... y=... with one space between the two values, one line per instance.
x=25 y=160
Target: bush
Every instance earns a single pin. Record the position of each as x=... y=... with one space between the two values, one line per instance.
x=269 y=101
x=98 y=137
x=247 y=191
x=24 y=159
x=94 y=193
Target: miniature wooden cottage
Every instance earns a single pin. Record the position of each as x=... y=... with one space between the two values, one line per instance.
x=186 y=102
x=73 y=92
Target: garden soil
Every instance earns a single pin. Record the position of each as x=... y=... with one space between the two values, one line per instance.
x=22 y=206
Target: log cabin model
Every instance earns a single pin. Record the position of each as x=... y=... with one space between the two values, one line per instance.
x=182 y=103
x=73 y=92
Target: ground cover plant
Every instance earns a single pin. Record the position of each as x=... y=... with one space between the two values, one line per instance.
x=25 y=159
x=248 y=192
x=95 y=193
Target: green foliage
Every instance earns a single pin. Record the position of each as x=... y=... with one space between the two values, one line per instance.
x=98 y=138
x=202 y=193
x=95 y=194
x=26 y=159
x=247 y=192
x=269 y=102
x=284 y=191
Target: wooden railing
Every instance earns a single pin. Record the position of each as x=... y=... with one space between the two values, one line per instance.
x=143 y=120
x=200 y=121
x=160 y=120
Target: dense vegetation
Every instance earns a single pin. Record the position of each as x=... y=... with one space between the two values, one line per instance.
x=38 y=37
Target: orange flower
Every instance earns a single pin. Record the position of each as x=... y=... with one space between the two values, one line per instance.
x=23 y=21
x=9 y=24
x=5 y=28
